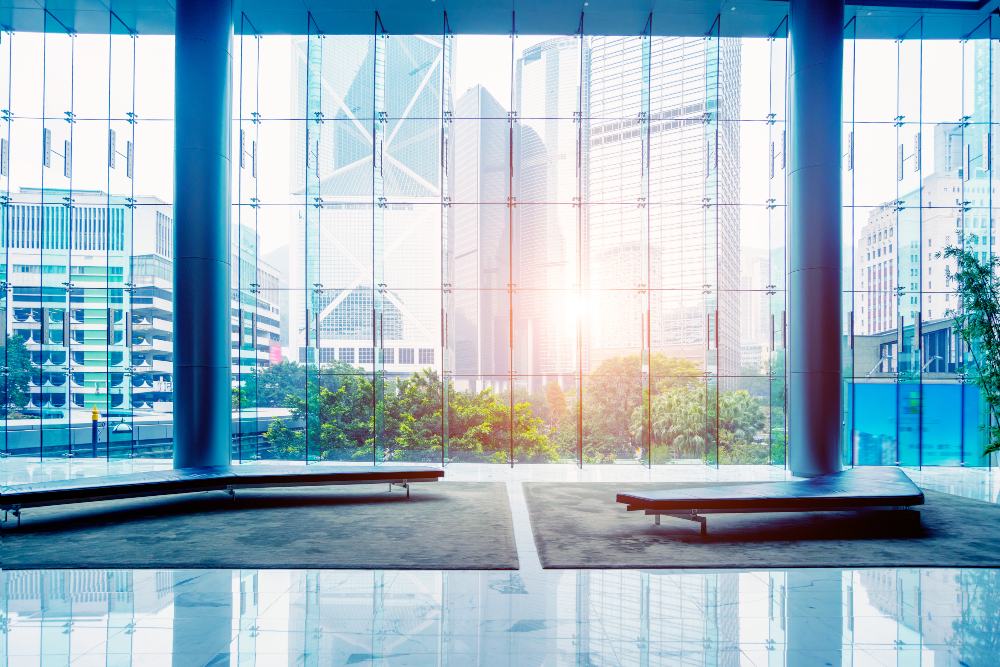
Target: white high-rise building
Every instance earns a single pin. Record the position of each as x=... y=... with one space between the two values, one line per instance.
x=897 y=268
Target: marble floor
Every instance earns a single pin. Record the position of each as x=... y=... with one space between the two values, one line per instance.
x=925 y=617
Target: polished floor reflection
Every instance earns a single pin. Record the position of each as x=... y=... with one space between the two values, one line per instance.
x=657 y=617
x=925 y=617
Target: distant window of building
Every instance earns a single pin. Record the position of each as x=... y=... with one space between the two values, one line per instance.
x=406 y=355
x=366 y=355
x=327 y=355
x=346 y=354
x=427 y=355
x=388 y=356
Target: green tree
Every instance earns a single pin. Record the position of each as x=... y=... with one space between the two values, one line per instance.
x=556 y=400
x=741 y=415
x=614 y=390
x=977 y=321
x=336 y=409
x=272 y=387
x=14 y=391
x=240 y=400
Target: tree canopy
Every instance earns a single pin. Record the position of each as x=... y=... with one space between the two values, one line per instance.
x=339 y=413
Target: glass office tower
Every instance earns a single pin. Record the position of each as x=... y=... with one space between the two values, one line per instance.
x=685 y=258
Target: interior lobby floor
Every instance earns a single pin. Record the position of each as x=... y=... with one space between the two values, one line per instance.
x=531 y=616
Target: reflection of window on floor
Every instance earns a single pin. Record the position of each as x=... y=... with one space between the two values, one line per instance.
x=388 y=355
x=346 y=355
x=427 y=356
x=406 y=355
x=366 y=355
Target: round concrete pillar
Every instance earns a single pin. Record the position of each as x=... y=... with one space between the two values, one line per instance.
x=203 y=95
x=815 y=98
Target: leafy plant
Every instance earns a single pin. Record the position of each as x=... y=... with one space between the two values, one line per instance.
x=977 y=321
x=14 y=391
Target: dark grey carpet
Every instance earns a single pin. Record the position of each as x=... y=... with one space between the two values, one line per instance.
x=443 y=526
x=581 y=526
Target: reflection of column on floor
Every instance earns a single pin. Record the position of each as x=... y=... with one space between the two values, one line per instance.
x=814 y=611
x=246 y=640
x=583 y=616
x=203 y=618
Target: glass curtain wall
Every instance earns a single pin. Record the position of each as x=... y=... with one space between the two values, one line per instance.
x=919 y=119
x=85 y=219
x=493 y=248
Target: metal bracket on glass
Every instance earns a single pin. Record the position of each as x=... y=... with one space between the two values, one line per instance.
x=255 y=117
x=254 y=202
x=772 y=118
x=132 y=117
x=772 y=204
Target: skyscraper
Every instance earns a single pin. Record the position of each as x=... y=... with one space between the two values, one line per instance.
x=693 y=246
x=370 y=226
x=551 y=97
x=479 y=187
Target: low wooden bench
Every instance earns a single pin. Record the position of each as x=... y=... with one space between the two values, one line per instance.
x=855 y=489
x=216 y=478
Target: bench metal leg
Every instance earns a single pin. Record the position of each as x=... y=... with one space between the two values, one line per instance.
x=687 y=517
x=232 y=492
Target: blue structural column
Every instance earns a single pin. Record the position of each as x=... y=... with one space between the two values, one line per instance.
x=203 y=94
x=815 y=94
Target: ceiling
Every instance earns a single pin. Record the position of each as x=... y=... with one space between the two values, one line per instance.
x=878 y=19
